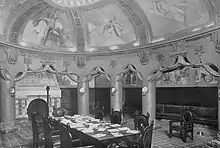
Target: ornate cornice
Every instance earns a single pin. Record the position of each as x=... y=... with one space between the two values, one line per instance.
x=61 y=55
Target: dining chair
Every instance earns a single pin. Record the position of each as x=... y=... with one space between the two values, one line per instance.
x=186 y=125
x=51 y=140
x=145 y=138
x=66 y=138
x=37 y=128
x=141 y=121
x=116 y=117
x=99 y=113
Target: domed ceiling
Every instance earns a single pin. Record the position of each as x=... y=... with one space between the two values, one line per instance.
x=97 y=25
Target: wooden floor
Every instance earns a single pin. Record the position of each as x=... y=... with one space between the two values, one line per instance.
x=23 y=137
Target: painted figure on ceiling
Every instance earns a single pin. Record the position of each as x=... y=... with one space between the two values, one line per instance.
x=113 y=28
x=48 y=27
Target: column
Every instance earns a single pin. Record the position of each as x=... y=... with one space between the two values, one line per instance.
x=83 y=98
x=116 y=97
x=149 y=101
x=218 y=134
x=7 y=112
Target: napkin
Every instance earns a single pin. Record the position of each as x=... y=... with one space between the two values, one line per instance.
x=117 y=134
x=115 y=125
x=99 y=135
x=87 y=131
x=101 y=129
x=132 y=131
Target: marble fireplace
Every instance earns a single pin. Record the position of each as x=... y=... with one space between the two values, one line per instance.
x=33 y=87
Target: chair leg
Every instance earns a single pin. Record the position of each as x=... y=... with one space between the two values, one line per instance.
x=184 y=135
x=170 y=133
x=192 y=135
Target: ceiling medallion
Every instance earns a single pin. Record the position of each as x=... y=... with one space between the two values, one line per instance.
x=72 y=3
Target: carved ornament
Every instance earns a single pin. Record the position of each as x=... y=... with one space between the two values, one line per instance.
x=12 y=55
x=144 y=57
x=216 y=39
x=81 y=61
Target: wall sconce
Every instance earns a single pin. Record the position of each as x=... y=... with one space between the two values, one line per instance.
x=82 y=90
x=113 y=90
x=144 y=91
x=12 y=91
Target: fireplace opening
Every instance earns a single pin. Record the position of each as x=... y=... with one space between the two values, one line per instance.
x=37 y=105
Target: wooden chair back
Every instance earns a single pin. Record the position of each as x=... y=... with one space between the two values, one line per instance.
x=146 y=138
x=116 y=117
x=65 y=136
x=141 y=121
x=47 y=132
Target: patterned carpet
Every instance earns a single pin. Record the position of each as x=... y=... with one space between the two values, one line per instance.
x=23 y=137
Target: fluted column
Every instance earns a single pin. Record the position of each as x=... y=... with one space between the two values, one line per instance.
x=116 y=96
x=7 y=106
x=149 y=100
x=83 y=98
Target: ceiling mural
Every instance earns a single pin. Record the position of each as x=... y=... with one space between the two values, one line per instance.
x=51 y=29
x=107 y=26
x=169 y=16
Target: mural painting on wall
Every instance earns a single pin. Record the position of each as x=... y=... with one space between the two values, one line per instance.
x=182 y=14
x=49 y=29
x=188 y=76
x=107 y=27
x=38 y=80
x=64 y=80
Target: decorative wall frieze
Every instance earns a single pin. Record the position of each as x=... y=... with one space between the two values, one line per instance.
x=12 y=55
x=46 y=56
x=144 y=56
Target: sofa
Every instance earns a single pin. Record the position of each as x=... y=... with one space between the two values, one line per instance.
x=202 y=115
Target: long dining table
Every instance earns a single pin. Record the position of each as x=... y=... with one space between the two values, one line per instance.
x=96 y=132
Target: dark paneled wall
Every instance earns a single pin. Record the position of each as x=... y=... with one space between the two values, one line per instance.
x=103 y=96
x=192 y=96
x=133 y=98
x=69 y=99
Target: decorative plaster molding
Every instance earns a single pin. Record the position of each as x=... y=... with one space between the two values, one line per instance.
x=216 y=39
x=144 y=56
x=12 y=55
x=81 y=61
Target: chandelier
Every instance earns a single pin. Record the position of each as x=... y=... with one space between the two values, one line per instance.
x=72 y=3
